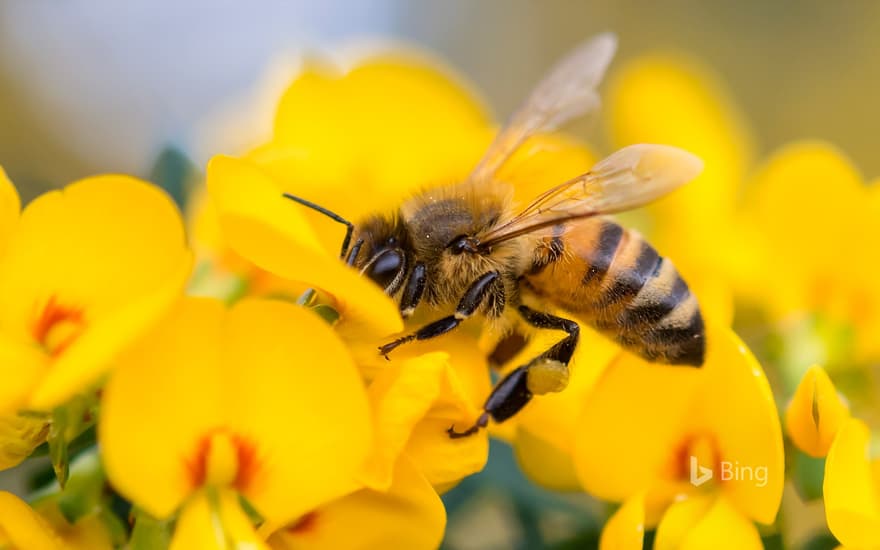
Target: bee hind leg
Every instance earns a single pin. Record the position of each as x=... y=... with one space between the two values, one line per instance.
x=545 y=373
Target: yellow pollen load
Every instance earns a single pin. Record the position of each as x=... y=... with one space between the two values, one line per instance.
x=221 y=461
x=547 y=376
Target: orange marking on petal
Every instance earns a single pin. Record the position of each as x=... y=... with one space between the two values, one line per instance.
x=246 y=453
x=223 y=458
x=305 y=524
x=58 y=326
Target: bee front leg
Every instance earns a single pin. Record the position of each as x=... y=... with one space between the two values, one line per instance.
x=486 y=287
x=545 y=373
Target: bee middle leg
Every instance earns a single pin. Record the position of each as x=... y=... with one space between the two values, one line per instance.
x=486 y=289
x=545 y=373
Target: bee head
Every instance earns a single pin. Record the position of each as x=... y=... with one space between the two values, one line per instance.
x=380 y=253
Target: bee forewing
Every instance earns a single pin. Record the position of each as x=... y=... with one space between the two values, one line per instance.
x=569 y=89
x=638 y=174
x=566 y=92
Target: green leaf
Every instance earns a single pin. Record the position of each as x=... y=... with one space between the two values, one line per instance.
x=83 y=493
x=149 y=533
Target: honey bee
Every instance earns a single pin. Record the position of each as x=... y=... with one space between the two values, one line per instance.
x=468 y=247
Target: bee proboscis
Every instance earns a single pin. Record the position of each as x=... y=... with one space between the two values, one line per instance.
x=468 y=248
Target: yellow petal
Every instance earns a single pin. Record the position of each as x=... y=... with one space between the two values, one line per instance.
x=642 y=423
x=19 y=436
x=106 y=252
x=147 y=449
x=9 y=209
x=409 y=515
x=291 y=386
x=706 y=522
x=852 y=502
x=215 y=522
x=22 y=527
x=736 y=405
x=83 y=361
x=803 y=182
x=22 y=367
x=815 y=413
x=414 y=403
x=625 y=530
x=631 y=424
x=270 y=231
x=88 y=533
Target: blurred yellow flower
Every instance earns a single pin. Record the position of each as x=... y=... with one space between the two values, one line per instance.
x=815 y=413
x=810 y=216
x=45 y=529
x=668 y=431
x=261 y=401
x=852 y=488
x=83 y=271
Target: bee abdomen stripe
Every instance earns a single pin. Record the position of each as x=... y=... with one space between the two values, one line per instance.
x=658 y=305
x=603 y=254
x=678 y=333
x=628 y=282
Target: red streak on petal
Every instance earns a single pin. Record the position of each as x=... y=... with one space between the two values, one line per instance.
x=246 y=455
x=305 y=524
x=198 y=464
x=246 y=451
x=51 y=315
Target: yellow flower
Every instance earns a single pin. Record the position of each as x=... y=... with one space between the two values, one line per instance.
x=45 y=529
x=852 y=488
x=83 y=271
x=414 y=402
x=815 y=413
x=408 y=514
x=673 y=431
x=261 y=401
x=811 y=216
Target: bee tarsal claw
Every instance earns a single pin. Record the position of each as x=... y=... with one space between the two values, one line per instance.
x=481 y=422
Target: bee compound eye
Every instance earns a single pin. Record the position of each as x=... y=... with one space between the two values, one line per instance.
x=385 y=268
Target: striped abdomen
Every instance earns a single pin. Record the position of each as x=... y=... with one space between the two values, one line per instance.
x=616 y=281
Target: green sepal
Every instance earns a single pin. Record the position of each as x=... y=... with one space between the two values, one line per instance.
x=149 y=533
x=328 y=313
x=57 y=439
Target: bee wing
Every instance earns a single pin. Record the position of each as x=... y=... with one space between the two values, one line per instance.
x=631 y=177
x=568 y=91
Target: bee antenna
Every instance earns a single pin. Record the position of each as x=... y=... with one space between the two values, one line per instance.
x=330 y=214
